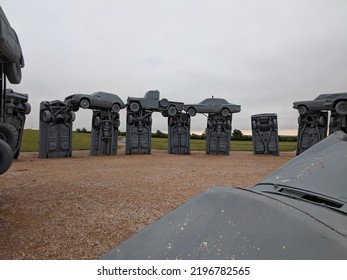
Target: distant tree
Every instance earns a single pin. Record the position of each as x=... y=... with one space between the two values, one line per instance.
x=159 y=134
x=84 y=130
x=237 y=134
x=78 y=130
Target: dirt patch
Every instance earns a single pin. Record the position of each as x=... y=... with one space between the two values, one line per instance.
x=83 y=206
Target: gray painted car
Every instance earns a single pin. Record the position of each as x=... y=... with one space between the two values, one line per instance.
x=329 y=101
x=212 y=105
x=10 y=51
x=152 y=102
x=96 y=100
x=298 y=212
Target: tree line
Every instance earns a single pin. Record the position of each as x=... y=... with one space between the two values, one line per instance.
x=236 y=135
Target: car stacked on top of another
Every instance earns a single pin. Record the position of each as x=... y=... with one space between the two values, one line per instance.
x=328 y=101
x=151 y=101
x=96 y=100
x=212 y=105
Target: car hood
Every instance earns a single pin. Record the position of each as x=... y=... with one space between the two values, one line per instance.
x=320 y=171
x=230 y=223
x=260 y=223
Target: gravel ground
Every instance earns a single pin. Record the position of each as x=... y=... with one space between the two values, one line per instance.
x=83 y=206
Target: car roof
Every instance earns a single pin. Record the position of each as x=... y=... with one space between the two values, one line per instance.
x=215 y=100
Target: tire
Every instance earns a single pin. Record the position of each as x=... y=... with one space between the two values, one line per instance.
x=130 y=120
x=13 y=73
x=96 y=121
x=172 y=111
x=171 y=121
x=84 y=103
x=302 y=110
x=75 y=108
x=9 y=134
x=72 y=117
x=225 y=112
x=254 y=125
x=115 y=108
x=164 y=114
x=134 y=107
x=6 y=157
x=191 y=112
x=341 y=107
x=46 y=116
x=27 y=108
x=164 y=102
x=228 y=124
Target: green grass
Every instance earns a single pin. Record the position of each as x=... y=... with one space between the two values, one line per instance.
x=81 y=141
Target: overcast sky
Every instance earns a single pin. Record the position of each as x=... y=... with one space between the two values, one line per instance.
x=262 y=55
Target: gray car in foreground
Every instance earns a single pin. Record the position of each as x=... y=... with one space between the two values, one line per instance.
x=329 y=101
x=298 y=212
x=96 y=100
x=212 y=105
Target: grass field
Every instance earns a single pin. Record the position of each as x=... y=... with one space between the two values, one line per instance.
x=81 y=141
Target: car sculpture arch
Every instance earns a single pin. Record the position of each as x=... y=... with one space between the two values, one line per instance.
x=13 y=106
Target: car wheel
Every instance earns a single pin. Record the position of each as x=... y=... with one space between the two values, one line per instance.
x=71 y=117
x=164 y=114
x=13 y=73
x=130 y=120
x=225 y=112
x=254 y=125
x=171 y=121
x=96 y=121
x=75 y=108
x=115 y=107
x=84 y=103
x=6 y=156
x=191 y=112
x=172 y=111
x=46 y=116
x=302 y=110
x=27 y=108
x=341 y=107
x=164 y=102
x=9 y=134
x=134 y=107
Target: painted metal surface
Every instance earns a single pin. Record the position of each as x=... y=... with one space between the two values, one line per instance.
x=298 y=212
x=55 y=133
x=265 y=134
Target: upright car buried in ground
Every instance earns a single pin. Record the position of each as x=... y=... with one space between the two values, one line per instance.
x=298 y=212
